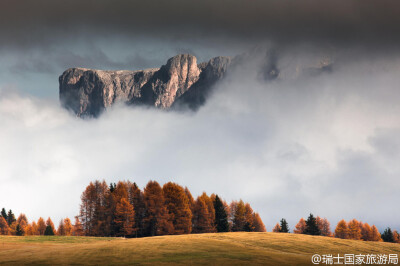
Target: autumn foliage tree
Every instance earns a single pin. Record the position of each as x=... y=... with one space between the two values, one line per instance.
x=342 y=231
x=156 y=221
x=179 y=213
x=124 y=217
x=300 y=227
x=4 y=228
x=277 y=228
x=202 y=221
x=41 y=226
x=324 y=226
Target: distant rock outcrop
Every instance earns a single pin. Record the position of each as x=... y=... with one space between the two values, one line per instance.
x=181 y=81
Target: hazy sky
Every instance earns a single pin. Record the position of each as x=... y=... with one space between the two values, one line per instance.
x=327 y=144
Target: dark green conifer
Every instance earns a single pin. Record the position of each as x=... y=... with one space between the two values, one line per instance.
x=311 y=226
x=221 y=217
x=284 y=226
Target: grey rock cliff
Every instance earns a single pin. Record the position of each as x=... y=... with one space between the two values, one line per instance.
x=181 y=81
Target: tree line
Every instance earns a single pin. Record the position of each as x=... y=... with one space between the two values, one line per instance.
x=123 y=209
x=20 y=226
x=352 y=229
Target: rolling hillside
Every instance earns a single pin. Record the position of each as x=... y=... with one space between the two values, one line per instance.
x=196 y=249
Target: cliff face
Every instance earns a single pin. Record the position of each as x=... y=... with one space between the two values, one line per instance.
x=181 y=81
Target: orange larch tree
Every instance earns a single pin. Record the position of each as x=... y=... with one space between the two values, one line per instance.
x=202 y=222
x=342 y=230
x=41 y=226
x=258 y=223
x=77 y=229
x=61 y=228
x=125 y=217
x=178 y=208
x=136 y=199
x=156 y=220
x=375 y=235
x=239 y=216
x=366 y=232
x=68 y=226
x=277 y=228
x=4 y=228
x=354 y=230
x=300 y=227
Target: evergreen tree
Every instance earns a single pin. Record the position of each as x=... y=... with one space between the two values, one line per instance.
x=4 y=214
x=284 y=226
x=19 y=231
x=311 y=226
x=10 y=217
x=50 y=223
x=221 y=217
x=49 y=231
x=387 y=235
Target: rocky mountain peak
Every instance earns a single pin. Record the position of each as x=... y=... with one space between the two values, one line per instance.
x=87 y=92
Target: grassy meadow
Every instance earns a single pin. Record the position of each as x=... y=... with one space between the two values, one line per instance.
x=198 y=249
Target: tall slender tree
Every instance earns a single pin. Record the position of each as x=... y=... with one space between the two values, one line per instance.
x=202 y=222
x=41 y=226
x=239 y=216
x=10 y=217
x=178 y=208
x=4 y=228
x=137 y=200
x=221 y=217
x=4 y=213
x=156 y=220
x=125 y=218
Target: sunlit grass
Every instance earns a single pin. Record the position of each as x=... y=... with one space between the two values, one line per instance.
x=199 y=249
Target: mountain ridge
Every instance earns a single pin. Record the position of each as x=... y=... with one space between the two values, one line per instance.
x=181 y=81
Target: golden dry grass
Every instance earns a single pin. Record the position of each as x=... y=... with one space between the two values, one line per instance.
x=197 y=249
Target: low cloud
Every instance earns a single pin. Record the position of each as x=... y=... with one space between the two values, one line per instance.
x=326 y=144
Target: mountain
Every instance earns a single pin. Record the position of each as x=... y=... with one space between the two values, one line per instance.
x=181 y=81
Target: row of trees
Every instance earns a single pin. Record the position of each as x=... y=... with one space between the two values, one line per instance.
x=353 y=229
x=122 y=209
x=20 y=226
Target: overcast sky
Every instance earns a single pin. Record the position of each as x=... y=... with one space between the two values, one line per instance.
x=327 y=144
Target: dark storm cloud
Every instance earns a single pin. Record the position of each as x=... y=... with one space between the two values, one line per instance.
x=24 y=23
